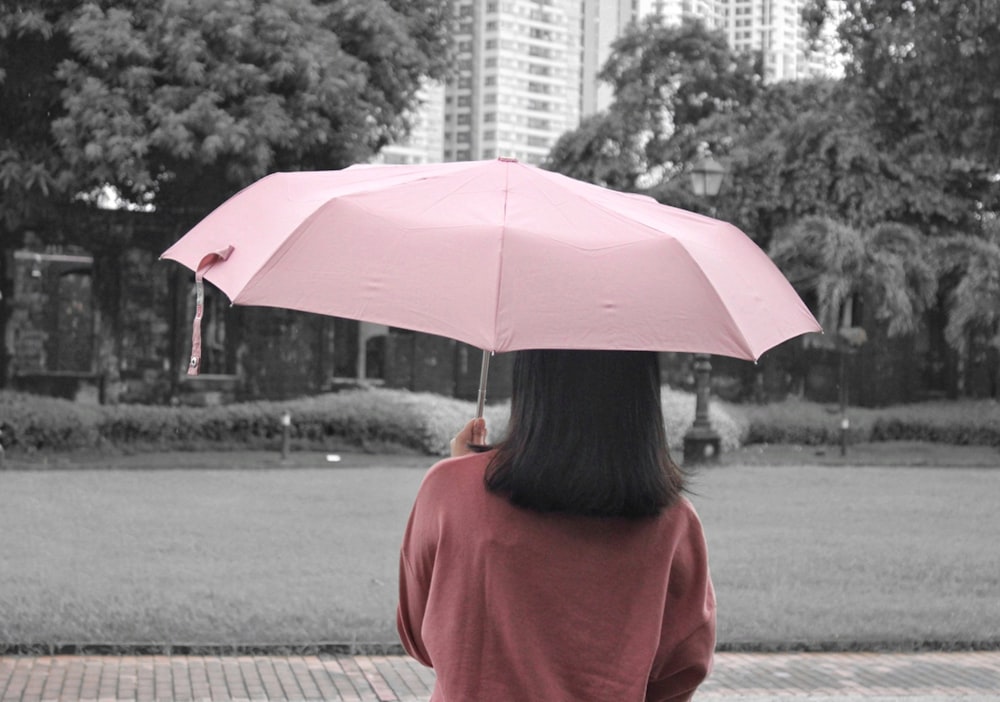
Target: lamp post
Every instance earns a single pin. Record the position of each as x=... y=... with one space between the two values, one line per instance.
x=702 y=443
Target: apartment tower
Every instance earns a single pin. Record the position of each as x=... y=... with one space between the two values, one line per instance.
x=772 y=27
x=526 y=70
x=518 y=79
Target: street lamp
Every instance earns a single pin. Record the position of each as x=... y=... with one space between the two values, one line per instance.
x=702 y=443
x=706 y=177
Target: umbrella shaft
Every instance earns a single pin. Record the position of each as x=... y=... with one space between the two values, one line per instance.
x=483 y=374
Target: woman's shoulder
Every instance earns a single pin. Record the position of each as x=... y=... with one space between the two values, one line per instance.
x=681 y=516
x=684 y=509
x=456 y=474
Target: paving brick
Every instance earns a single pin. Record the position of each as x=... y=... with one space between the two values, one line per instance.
x=973 y=676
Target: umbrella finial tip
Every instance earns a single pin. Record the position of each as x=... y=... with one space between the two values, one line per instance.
x=506 y=159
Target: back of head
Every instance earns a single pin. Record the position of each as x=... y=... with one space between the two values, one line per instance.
x=586 y=435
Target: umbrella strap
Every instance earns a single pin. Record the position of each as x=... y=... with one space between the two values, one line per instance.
x=209 y=260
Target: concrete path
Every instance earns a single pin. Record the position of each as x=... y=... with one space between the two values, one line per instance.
x=926 y=677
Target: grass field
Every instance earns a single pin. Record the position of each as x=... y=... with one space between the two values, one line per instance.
x=853 y=557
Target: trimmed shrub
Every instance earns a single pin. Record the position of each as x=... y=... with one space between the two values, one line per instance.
x=384 y=420
x=968 y=422
x=366 y=419
x=808 y=423
x=962 y=423
x=31 y=423
x=678 y=415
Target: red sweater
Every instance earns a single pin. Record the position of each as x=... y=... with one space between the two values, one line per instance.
x=511 y=605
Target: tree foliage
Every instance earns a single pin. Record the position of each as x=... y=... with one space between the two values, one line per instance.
x=930 y=72
x=666 y=79
x=929 y=66
x=887 y=266
x=177 y=103
x=826 y=158
x=970 y=268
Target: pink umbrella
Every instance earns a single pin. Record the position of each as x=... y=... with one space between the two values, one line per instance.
x=498 y=254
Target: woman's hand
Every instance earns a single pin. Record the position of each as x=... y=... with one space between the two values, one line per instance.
x=473 y=434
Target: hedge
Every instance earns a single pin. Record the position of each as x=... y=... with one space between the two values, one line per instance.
x=378 y=420
x=966 y=422
x=366 y=419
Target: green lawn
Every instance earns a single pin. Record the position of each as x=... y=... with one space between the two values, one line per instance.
x=306 y=555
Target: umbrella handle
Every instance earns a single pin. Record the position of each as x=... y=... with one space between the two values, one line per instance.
x=483 y=373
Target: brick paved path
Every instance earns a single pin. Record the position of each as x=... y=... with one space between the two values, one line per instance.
x=835 y=677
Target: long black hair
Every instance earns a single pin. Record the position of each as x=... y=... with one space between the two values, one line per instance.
x=586 y=436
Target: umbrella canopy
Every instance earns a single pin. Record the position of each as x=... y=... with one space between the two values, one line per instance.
x=498 y=254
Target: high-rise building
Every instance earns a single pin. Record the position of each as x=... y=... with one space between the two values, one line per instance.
x=775 y=28
x=518 y=80
x=526 y=70
x=603 y=21
x=425 y=144
x=772 y=27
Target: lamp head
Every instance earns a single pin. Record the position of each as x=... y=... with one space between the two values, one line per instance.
x=706 y=177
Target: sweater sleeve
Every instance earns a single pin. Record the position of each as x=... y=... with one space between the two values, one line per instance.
x=687 y=641
x=414 y=589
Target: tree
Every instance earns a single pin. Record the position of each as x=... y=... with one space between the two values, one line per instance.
x=666 y=79
x=833 y=162
x=969 y=270
x=176 y=104
x=929 y=66
x=887 y=266
x=930 y=70
x=842 y=270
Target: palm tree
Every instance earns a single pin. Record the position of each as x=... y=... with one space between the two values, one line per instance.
x=969 y=267
x=836 y=264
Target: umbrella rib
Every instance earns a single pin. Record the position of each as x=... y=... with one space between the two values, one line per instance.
x=746 y=345
x=722 y=301
x=503 y=236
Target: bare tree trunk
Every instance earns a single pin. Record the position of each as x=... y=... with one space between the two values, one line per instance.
x=6 y=293
x=108 y=321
